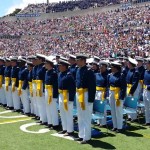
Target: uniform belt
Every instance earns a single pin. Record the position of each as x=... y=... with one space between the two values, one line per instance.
x=1 y=80
x=50 y=94
x=116 y=94
x=65 y=96
x=39 y=88
x=13 y=84
x=20 y=87
x=7 y=81
x=103 y=90
x=81 y=92
x=141 y=82
x=128 y=88
x=145 y=86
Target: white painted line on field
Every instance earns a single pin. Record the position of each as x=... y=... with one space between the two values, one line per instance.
x=14 y=121
x=11 y=117
x=25 y=126
x=62 y=136
x=5 y=112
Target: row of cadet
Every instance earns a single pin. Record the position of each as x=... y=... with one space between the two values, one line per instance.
x=41 y=87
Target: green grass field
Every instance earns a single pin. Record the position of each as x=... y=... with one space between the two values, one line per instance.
x=136 y=137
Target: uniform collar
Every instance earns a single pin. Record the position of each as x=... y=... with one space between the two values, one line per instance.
x=74 y=65
x=103 y=73
x=41 y=64
x=84 y=67
x=51 y=70
x=116 y=73
x=131 y=70
x=64 y=72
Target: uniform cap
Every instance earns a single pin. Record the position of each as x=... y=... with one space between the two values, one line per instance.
x=12 y=58
x=72 y=56
x=48 y=59
x=97 y=59
x=132 y=61
x=31 y=57
x=63 y=62
x=116 y=63
x=29 y=63
x=63 y=58
x=81 y=56
x=103 y=63
x=40 y=56
x=2 y=58
x=139 y=59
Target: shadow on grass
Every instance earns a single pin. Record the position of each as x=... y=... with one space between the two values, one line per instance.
x=134 y=127
x=100 y=144
x=132 y=134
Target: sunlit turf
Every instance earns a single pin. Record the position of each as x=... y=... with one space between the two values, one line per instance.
x=136 y=137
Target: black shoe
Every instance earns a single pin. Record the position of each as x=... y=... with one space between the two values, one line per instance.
x=146 y=124
x=39 y=122
x=49 y=125
x=69 y=134
x=78 y=139
x=133 y=120
x=10 y=108
x=32 y=115
x=62 y=132
x=56 y=127
x=4 y=105
x=28 y=114
x=84 y=142
x=114 y=129
x=18 y=110
x=37 y=118
x=44 y=123
x=119 y=131
x=129 y=119
x=102 y=126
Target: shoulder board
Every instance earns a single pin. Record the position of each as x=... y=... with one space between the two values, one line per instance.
x=68 y=73
x=54 y=72
x=89 y=69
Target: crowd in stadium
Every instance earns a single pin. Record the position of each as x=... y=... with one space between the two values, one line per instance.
x=65 y=6
x=101 y=33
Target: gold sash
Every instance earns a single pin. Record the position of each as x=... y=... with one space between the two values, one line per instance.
x=13 y=84
x=20 y=87
x=50 y=94
x=145 y=86
x=39 y=88
x=116 y=92
x=103 y=90
x=65 y=96
x=1 y=80
x=141 y=82
x=7 y=81
x=128 y=88
x=81 y=92
x=30 y=89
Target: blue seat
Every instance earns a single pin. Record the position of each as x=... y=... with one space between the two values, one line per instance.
x=130 y=102
x=130 y=106
x=99 y=110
